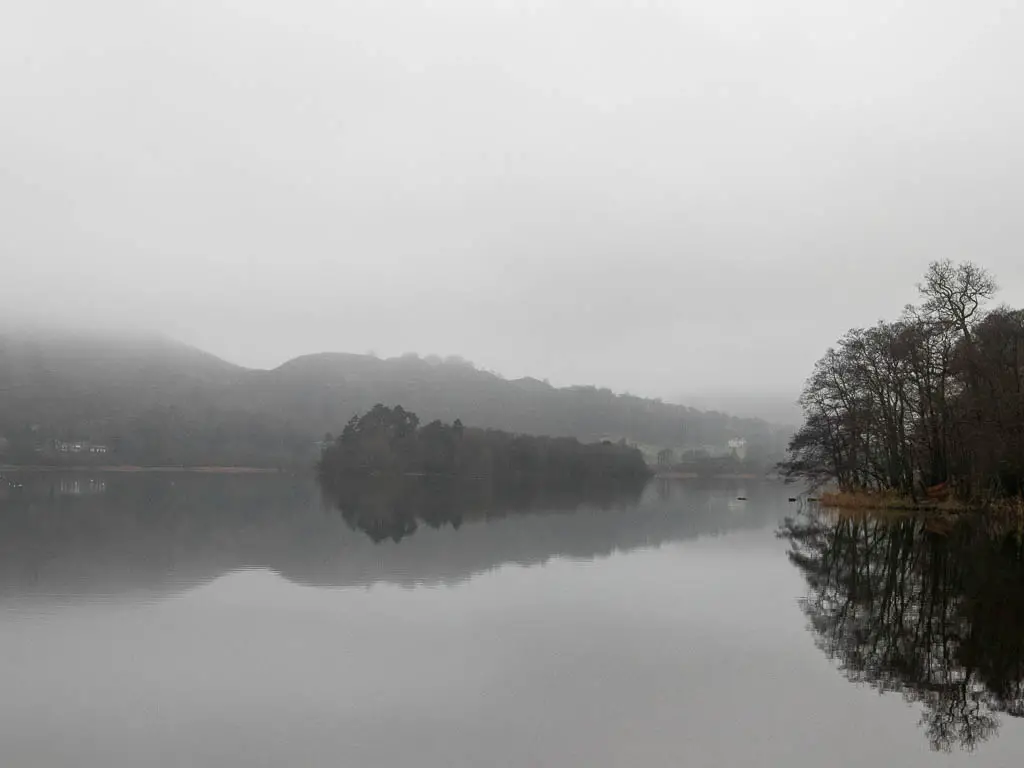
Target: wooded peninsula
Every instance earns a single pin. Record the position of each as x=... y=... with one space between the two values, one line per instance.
x=930 y=405
x=390 y=441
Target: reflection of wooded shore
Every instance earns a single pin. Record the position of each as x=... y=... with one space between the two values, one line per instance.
x=165 y=533
x=392 y=508
x=928 y=606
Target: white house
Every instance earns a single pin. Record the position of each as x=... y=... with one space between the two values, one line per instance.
x=738 y=448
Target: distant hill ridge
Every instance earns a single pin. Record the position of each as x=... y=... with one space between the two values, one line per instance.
x=154 y=400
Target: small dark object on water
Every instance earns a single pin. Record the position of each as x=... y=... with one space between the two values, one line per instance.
x=792 y=499
x=741 y=498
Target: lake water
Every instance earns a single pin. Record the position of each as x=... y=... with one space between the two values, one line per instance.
x=183 y=620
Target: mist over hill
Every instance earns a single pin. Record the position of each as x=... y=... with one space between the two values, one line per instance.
x=773 y=407
x=150 y=401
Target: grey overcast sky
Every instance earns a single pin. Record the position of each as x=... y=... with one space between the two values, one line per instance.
x=661 y=197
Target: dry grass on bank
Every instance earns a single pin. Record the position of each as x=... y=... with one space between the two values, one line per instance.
x=849 y=500
x=1010 y=511
x=1006 y=510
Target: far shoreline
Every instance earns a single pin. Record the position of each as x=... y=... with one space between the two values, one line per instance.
x=673 y=475
x=128 y=468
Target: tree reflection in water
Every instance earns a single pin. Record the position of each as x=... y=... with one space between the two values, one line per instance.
x=393 y=508
x=928 y=608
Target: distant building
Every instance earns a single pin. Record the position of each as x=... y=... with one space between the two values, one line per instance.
x=738 y=448
x=78 y=446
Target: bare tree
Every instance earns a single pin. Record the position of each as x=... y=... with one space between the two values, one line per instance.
x=936 y=397
x=955 y=293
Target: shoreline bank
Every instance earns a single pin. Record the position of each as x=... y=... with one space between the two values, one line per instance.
x=857 y=500
x=126 y=468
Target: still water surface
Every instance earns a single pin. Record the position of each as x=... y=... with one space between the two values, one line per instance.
x=181 y=620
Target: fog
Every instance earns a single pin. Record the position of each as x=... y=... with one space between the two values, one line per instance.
x=668 y=198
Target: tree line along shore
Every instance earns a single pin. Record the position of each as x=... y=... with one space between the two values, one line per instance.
x=923 y=411
x=389 y=441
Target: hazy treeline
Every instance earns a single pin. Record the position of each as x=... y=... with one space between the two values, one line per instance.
x=934 y=612
x=701 y=464
x=390 y=441
x=934 y=397
x=154 y=401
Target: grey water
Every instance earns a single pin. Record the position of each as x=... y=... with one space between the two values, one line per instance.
x=191 y=620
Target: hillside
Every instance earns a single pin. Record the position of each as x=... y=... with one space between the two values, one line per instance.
x=148 y=400
x=329 y=388
x=156 y=401
x=49 y=370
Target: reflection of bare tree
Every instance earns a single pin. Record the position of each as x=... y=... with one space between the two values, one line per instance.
x=932 y=611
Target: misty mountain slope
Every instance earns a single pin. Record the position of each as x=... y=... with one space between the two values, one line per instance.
x=100 y=359
x=320 y=393
x=159 y=401
x=47 y=374
x=148 y=399
x=317 y=391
